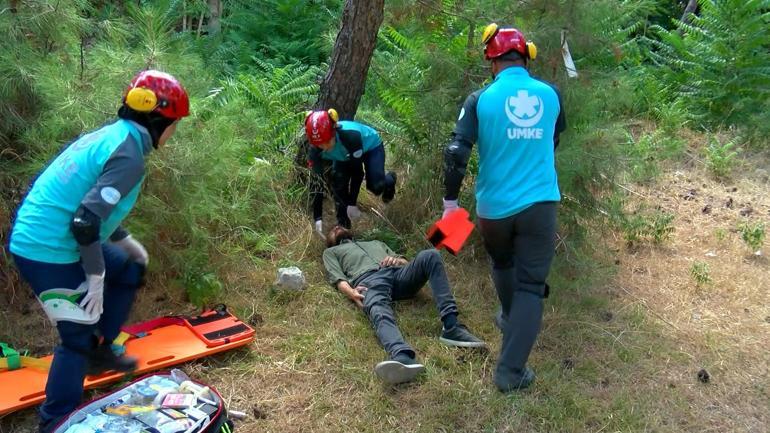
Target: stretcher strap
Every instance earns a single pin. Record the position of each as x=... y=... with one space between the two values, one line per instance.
x=11 y=360
x=10 y=356
x=145 y=327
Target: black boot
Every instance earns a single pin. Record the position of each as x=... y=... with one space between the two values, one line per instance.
x=390 y=187
x=103 y=359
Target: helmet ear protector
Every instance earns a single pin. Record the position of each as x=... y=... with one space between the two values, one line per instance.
x=331 y=112
x=142 y=99
x=491 y=30
x=531 y=50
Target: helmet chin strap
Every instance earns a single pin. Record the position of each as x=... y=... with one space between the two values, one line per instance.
x=155 y=123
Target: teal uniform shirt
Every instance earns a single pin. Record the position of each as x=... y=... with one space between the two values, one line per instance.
x=353 y=139
x=516 y=121
x=103 y=171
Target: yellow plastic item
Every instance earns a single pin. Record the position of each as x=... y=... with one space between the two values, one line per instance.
x=28 y=361
x=489 y=32
x=141 y=99
x=333 y=115
x=531 y=50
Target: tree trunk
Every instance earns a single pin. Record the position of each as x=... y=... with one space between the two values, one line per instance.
x=215 y=13
x=689 y=11
x=343 y=85
x=200 y=24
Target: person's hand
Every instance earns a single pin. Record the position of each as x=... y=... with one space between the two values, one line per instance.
x=358 y=295
x=319 y=228
x=354 y=294
x=354 y=212
x=135 y=250
x=449 y=207
x=93 y=302
x=392 y=261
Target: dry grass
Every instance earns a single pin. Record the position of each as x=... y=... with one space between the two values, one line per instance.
x=721 y=326
x=620 y=347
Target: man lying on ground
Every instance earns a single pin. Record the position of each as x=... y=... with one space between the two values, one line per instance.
x=372 y=276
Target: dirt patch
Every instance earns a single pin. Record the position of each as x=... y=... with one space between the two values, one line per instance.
x=709 y=291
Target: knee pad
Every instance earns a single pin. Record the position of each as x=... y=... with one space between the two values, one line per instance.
x=63 y=305
x=541 y=292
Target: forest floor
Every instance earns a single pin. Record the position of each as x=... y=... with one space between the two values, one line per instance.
x=624 y=338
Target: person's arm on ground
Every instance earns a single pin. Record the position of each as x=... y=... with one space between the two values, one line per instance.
x=354 y=294
x=339 y=280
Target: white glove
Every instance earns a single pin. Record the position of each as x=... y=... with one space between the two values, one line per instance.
x=449 y=207
x=93 y=302
x=319 y=228
x=354 y=212
x=134 y=249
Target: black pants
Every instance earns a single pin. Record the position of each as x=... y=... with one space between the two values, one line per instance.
x=521 y=248
x=396 y=283
x=349 y=175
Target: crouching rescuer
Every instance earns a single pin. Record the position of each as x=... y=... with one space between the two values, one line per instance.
x=69 y=246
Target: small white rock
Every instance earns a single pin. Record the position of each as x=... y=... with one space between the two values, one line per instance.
x=290 y=278
x=711 y=254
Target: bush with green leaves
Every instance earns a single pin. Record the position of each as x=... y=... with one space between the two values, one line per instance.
x=753 y=234
x=720 y=158
x=699 y=271
x=719 y=64
x=642 y=226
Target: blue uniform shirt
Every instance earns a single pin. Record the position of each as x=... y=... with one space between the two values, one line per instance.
x=353 y=140
x=515 y=121
x=103 y=171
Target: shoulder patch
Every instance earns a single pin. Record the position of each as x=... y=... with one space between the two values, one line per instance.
x=110 y=195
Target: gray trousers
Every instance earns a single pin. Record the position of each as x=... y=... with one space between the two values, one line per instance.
x=396 y=283
x=521 y=248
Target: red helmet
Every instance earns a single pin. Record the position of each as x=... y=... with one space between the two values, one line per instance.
x=498 y=42
x=157 y=92
x=319 y=126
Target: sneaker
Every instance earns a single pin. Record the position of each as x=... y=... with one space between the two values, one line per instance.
x=500 y=320
x=399 y=369
x=103 y=359
x=460 y=336
x=510 y=381
x=390 y=191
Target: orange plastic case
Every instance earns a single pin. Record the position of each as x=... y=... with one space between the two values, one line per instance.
x=157 y=344
x=451 y=232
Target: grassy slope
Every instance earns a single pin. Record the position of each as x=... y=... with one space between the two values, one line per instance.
x=619 y=351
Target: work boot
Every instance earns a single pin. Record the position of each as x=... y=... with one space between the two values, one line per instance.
x=103 y=359
x=459 y=336
x=403 y=367
x=390 y=189
x=508 y=380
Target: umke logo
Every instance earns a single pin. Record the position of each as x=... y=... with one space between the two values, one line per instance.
x=524 y=111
